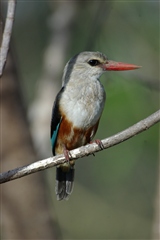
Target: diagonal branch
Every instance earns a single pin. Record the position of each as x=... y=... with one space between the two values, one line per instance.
x=7 y=34
x=82 y=151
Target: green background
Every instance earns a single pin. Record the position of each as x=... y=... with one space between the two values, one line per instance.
x=114 y=191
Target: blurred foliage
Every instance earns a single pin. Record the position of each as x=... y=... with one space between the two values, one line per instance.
x=115 y=190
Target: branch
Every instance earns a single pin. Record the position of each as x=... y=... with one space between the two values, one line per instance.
x=7 y=34
x=82 y=151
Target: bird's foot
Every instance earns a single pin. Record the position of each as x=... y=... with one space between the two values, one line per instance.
x=66 y=154
x=99 y=143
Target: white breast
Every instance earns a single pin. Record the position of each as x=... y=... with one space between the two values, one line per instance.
x=83 y=104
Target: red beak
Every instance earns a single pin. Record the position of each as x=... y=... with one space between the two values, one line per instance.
x=118 y=66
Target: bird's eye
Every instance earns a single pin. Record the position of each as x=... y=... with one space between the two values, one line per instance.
x=93 y=62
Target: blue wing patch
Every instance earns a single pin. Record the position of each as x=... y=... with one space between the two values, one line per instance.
x=54 y=138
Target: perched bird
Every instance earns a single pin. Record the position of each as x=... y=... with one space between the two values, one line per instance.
x=77 y=110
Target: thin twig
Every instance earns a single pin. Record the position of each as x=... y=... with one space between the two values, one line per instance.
x=7 y=34
x=82 y=151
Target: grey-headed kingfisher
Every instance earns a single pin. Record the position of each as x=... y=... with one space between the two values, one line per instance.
x=77 y=110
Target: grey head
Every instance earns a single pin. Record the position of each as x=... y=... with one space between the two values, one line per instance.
x=84 y=65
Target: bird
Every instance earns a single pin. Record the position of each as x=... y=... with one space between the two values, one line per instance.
x=77 y=110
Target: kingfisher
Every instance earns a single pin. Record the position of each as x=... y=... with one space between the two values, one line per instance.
x=77 y=110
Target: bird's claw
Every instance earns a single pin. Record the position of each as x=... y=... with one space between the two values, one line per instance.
x=66 y=154
x=99 y=143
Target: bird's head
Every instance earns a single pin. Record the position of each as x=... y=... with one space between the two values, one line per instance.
x=91 y=65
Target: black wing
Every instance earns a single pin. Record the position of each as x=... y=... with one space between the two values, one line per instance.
x=55 y=120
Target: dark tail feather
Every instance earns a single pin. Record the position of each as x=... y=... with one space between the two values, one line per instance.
x=64 y=183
